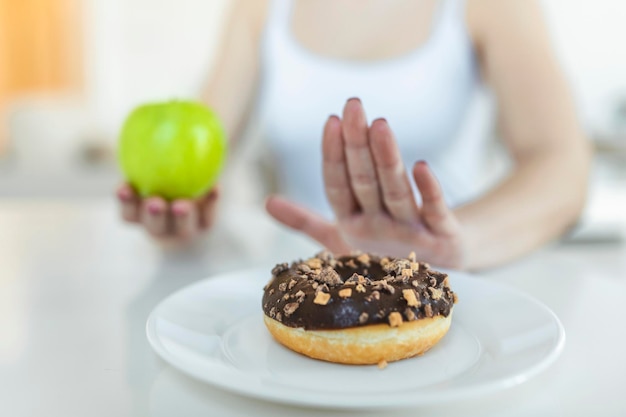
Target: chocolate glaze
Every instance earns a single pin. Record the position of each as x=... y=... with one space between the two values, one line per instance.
x=289 y=296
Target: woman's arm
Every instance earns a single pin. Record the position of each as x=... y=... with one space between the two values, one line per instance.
x=545 y=192
x=232 y=84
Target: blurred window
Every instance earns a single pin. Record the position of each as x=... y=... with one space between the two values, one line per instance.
x=40 y=51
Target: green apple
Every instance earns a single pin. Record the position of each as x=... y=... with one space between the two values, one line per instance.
x=174 y=149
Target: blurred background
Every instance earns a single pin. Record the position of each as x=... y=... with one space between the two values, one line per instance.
x=70 y=70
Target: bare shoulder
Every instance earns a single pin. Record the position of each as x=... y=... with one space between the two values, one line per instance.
x=504 y=19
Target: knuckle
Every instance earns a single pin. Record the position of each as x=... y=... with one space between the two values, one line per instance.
x=364 y=179
x=396 y=195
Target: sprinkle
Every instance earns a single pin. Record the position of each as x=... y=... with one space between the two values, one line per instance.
x=363 y=318
x=322 y=298
x=345 y=293
x=290 y=308
x=411 y=299
x=395 y=319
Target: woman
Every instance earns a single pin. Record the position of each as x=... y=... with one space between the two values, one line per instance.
x=418 y=64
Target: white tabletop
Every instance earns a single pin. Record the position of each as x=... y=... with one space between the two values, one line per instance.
x=76 y=287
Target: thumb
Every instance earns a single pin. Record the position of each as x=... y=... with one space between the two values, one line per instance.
x=305 y=221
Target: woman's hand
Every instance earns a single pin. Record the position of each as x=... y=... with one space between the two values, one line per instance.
x=371 y=196
x=178 y=221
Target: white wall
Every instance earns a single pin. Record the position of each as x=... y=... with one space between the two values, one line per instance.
x=589 y=36
x=141 y=50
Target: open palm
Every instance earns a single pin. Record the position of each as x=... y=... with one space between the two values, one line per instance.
x=370 y=193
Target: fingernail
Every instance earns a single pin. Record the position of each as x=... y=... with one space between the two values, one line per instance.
x=180 y=210
x=154 y=208
x=333 y=116
x=123 y=194
x=213 y=194
x=422 y=162
x=380 y=119
x=354 y=98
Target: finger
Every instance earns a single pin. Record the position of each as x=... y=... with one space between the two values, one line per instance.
x=336 y=179
x=359 y=158
x=394 y=183
x=154 y=216
x=302 y=220
x=129 y=203
x=208 y=209
x=185 y=218
x=434 y=211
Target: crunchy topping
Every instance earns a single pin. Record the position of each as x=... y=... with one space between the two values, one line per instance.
x=345 y=293
x=304 y=269
x=314 y=263
x=290 y=308
x=383 y=285
x=455 y=298
x=325 y=256
x=412 y=257
x=382 y=364
x=280 y=268
x=396 y=266
x=395 y=319
x=411 y=299
x=323 y=288
x=364 y=259
x=436 y=293
x=363 y=318
x=318 y=278
x=329 y=276
x=359 y=279
x=321 y=298
x=446 y=282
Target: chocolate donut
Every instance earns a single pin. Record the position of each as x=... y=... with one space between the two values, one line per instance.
x=358 y=309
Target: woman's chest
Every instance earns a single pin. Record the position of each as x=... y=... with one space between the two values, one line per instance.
x=369 y=30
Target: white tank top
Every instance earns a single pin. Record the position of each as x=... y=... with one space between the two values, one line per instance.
x=424 y=95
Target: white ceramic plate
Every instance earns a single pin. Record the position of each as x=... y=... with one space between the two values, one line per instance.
x=213 y=330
